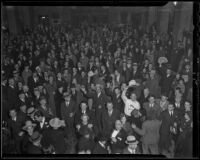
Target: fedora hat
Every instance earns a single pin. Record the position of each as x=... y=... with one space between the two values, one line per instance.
x=31 y=111
x=131 y=140
x=36 y=136
x=56 y=123
x=28 y=124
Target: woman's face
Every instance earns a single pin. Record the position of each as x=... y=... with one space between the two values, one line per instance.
x=123 y=119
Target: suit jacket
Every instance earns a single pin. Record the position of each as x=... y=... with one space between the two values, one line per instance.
x=126 y=151
x=153 y=85
x=32 y=84
x=118 y=103
x=56 y=138
x=165 y=134
x=12 y=97
x=98 y=149
x=137 y=75
x=149 y=132
x=58 y=101
x=32 y=149
x=107 y=122
x=85 y=144
x=166 y=83
x=66 y=110
x=156 y=108
x=121 y=138
x=15 y=126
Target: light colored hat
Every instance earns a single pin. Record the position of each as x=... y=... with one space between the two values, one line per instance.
x=162 y=60
x=131 y=140
x=28 y=124
x=31 y=110
x=56 y=123
x=90 y=73
x=132 y=83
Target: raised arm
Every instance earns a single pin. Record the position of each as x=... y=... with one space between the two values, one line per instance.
x=124 y=95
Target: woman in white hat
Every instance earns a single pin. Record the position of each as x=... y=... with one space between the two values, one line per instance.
x=56 y=135
x=132 y=147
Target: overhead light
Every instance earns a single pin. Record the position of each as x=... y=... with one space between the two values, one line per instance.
x=175 y=3
x=43 y=17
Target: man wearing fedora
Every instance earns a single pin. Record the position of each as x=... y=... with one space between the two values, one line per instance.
x=34 y=146
x=29 y=129
x=132 y=147
x=15 y=124
x=68 y=109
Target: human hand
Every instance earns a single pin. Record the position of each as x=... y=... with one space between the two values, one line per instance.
x=71 y=114
x=78 y=126
x=133 y=126
x=114 y=139
x=20 y=133
x=99 y=106
x=90 y=125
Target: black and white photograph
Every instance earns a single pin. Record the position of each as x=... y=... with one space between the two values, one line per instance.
x=98 y=80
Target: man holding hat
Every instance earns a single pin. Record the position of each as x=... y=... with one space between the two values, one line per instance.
x=132 y=147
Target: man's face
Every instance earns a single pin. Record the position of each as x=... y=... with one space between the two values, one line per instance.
x=98 y=88
x=109 y=106
x=21 y=96
x=43 y=102
x=67 y=98
x=151 y=100
x=23 y=108
x=25 y=88
x=118 y=125
x=83 y=106
x=168 y=71
x=117 y=91
x=11 y=82
x=170 y=107
x=133 y=97
x=187 y=105
x=13 y=113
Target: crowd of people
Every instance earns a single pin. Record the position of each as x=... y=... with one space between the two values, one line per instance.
x=96 y=89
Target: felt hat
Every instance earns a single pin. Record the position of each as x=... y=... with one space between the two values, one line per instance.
x=28 y=124
x=56 y=122
x=132 y=83
x=36 y=136
x=31 y=111
x=162 y=60
x=131 y=140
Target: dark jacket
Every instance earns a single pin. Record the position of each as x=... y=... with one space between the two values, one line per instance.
x=32 y=149
x=126 y=151
x=98 y=149
x=107 y=122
